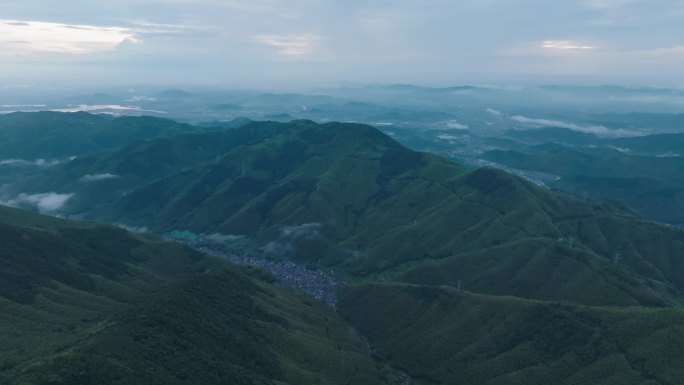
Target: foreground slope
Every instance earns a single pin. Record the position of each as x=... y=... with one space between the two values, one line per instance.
x=439 y=335
x=92 y=304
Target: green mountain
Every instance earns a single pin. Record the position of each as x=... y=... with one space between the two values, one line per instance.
x=348 y=197
x=106 y=176
x=651 y=186
x=663 y=145
x=50 y=135
x=439 y=335
x=91 y=304
x=486 y=278
x=656 y=145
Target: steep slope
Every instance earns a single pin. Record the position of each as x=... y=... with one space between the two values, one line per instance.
x=91 y=304
x=439 y=335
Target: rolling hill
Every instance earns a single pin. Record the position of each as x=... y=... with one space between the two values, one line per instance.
x=57 y=135
x=650 y=185
x=348 y=197
x=90 y=304
x=439 y=335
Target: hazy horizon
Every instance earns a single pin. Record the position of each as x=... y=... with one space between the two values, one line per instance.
x=300 y=44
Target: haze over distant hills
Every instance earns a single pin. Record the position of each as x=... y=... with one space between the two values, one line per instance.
x=463 y=123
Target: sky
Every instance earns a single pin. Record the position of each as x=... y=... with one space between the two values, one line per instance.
x=310 y=43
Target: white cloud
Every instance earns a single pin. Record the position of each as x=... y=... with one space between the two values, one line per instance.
x=608 y=4
x=448 y=138
x=365 y=41
x=494 y=112
x=456 y=125
x=290 y=45
x=285 y=244
x=103 y=108
x=133 y=229
x=23 y=162
x=589 y=129
x=565 y=45
x=46 y=202
x=98 y=177
x=224 y=238
x=30 y=37
x=305 y=231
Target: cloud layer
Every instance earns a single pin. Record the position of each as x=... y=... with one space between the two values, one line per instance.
x=290 y=45
x=589 y=129
x=30 y=37
x=98 y=177
x=24 y=162
x=48 y=203
x=264 y=42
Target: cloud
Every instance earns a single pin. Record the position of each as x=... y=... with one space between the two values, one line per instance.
x=565 y=45
x=31 y=37
x=608 y=4
x=589 y=129
x=224 y=238
x=289 y=235
x=23 y=162
x=305 y=231
x=456 y=125
x=448 y=138
x=133 y=229
x=357 y=41
x=494 y=112
x=103 y=108
x=290 y=45
x=98 y=177
x=277 y=248
x=22 y=105
x=46 y=202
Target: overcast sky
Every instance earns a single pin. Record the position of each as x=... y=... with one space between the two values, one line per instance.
x=283 y=43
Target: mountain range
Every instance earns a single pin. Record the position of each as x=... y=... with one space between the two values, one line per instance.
x=457 y=275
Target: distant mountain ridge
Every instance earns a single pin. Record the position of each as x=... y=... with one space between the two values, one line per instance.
x=645 y=173
x=59 y=135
